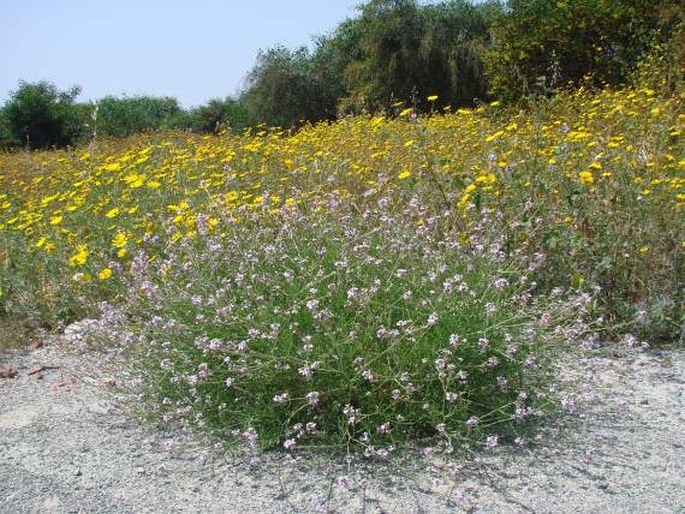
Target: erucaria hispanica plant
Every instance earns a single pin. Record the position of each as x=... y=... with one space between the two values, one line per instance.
x=347 y=328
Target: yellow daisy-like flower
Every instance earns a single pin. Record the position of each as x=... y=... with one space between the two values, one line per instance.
x=80 y=257
x=105 y=273
x=120 y=240
x=404 y=175
x=488 y=178
x=432 y=98
x=586 y=178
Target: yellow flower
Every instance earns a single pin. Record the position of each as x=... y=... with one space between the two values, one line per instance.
x=122 y=253
x=586 y=178
x=406 y=112
x=112 y=213
x=104 y=273
x=404 y=175
x=56 y=220
x=487 y=179
x=120 y=240
x=80 y=257
x=432 y=98
x=134 y=180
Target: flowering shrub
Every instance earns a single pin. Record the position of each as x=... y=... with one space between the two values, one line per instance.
x=354 y=328
x=367 y=282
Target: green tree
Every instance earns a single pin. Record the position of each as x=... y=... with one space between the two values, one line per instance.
x=455 y=37
x=37 y=115
x=333 y=54
x=283 y=88
x=217 y=115
x=7 y=139
x=399 y=50
x=121 y=117
x=543 y=45
x=387 y=68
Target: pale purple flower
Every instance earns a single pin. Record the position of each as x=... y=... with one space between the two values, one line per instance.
x=313 y=305
x=251 y=436
x=308 y=369
x=384 y=428
x=313 y=398
x=501 y=283
x=492 y=362
x=352 y=414
x=383 y=453
x=472 y=422
x=451 y=397
x=491 y=442
x=281 y=397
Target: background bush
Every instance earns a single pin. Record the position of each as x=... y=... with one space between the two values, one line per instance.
x=38 y=115
x=392 y=55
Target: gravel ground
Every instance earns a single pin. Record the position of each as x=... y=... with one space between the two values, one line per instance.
x=69 y=443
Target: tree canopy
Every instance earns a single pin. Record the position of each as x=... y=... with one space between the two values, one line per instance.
x=392 y=53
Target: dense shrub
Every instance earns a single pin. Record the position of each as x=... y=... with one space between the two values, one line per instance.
x=542 y=46
x=120 y=117
x=38 y=115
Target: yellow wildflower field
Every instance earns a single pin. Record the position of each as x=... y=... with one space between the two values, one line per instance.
x=586 y=160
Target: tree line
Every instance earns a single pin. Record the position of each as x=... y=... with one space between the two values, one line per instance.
x=393 y=52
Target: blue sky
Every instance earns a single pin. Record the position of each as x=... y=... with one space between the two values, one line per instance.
x=193 y=50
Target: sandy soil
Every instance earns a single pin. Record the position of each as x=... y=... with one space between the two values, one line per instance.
x=69 y=443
